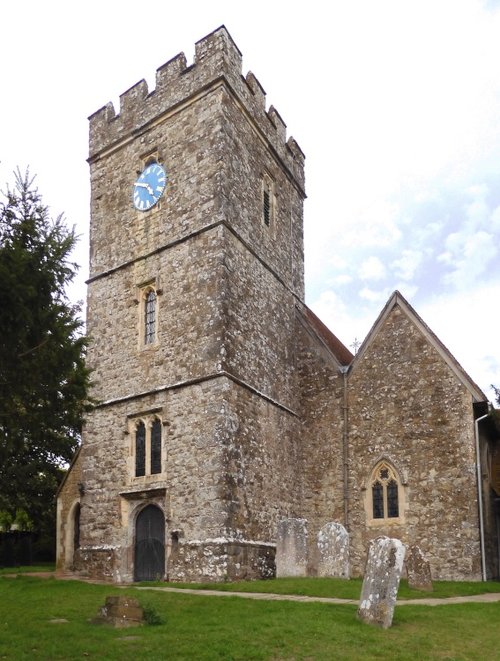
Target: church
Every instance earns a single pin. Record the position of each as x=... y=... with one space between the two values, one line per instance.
x=223 y=405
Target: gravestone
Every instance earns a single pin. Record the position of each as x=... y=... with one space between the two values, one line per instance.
x=120 y=612
x=291 y=548
x=381 y=581
x=418 y=570
x=333 y=551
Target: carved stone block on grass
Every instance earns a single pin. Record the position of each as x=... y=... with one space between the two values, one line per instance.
x=381 y=581
x=120 y=612
x=333 y=551
x=418 y=570
x=291 y=548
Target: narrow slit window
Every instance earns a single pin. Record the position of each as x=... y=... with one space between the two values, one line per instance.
x=156 y=447
x=149 y=317
x=378 y=500
x=267 y=208
x=267 y=201
x=140 y=450
x=392 y=499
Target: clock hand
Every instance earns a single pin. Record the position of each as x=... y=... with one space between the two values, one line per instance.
x=146 y=186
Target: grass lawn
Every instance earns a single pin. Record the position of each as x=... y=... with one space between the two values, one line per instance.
x=336 y=587
x=203 y=627
x=28 y=569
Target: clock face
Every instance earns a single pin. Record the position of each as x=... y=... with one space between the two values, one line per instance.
x=149 y=187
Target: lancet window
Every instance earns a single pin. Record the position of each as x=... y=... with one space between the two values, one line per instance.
x=148 y=447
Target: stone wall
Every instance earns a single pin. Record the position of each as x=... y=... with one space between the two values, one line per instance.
x=68 y=499
x=407 y=405
x=322 y=424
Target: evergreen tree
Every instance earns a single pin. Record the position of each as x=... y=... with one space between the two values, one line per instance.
x=43 y=379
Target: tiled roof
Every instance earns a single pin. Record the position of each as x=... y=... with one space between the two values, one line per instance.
x=339 y=350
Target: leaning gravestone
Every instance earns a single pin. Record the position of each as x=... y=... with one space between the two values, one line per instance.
x=120 y=612
x=418 y=570
x=291 y=548
x=381 y=581
x=333 y=551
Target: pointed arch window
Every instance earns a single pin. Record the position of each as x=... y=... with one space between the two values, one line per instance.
x=385 y=494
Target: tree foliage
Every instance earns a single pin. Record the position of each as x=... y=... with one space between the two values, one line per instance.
x=497 y=394
x=43 y=379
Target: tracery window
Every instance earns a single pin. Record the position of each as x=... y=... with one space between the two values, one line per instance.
x=148 y=447
x=385 y=489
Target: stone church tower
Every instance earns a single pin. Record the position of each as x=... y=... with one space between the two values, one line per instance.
x=223 y=404
x=191 y=306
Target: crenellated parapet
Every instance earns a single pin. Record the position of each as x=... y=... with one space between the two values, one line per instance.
x=217 y=58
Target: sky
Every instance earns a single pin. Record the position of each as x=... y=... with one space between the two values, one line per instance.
x=396 y=104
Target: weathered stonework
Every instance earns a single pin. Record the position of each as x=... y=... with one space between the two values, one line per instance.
x=264 y=414
x=292 y=548
x=333 y=551
x=418 y=570
x=120 y=612
x=381 y=581
x=406 y=404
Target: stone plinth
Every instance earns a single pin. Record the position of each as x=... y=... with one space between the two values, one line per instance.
x=120 y=612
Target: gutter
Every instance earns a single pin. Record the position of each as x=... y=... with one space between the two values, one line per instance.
x=480 y=494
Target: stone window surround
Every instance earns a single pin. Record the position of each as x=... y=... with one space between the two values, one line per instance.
x=401 y=481
x=142 y=292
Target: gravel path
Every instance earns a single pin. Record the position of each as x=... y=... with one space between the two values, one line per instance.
x=490 y=597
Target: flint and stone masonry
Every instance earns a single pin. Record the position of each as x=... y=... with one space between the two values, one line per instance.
x=242 y=407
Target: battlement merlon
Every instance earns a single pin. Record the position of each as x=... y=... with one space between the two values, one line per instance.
x=216 y=57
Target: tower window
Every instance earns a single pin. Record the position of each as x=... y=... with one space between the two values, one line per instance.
x=140 y=450
x=156 y=447
x=147 y=448
x=149 y=316
x=385 y=494
x=267 y=201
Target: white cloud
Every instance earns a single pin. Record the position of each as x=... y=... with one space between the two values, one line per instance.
x=469 y=256
x=379 y=296
x=408 y=291
x=372 y=268
x=342 y=279
x=467 y=323
x=406 y=266
x=347 y=323
x=495 y=219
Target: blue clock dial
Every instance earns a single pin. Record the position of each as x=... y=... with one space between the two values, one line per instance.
x=149 y=187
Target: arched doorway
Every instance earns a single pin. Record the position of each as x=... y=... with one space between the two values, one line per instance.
x=72 y=535
x=149 y=562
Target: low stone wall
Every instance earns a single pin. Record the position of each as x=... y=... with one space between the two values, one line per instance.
x=219 y=561
x=97 y=563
